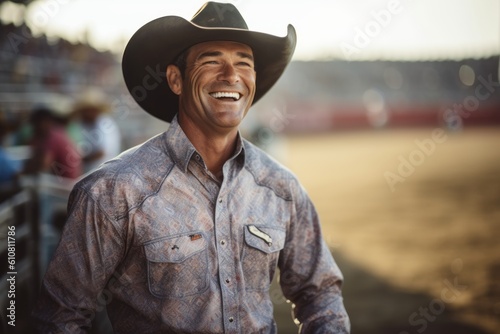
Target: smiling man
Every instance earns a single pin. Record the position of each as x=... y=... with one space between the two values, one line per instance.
x=184 y=233
x=215 y=92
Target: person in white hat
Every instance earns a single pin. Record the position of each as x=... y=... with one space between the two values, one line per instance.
x=99 y=138
x=184 y=233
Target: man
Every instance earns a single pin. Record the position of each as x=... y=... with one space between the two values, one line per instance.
x=99 y=138
x=9 y=167
x=183 y=233
x=52 y=150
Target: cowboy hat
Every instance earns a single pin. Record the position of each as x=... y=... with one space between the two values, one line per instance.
x=92 y=98
x=159 y=42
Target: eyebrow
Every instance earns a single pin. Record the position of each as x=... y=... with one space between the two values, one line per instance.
x=245 y=55
x=219 y=53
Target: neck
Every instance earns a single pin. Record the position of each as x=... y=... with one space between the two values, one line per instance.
x=214 y=147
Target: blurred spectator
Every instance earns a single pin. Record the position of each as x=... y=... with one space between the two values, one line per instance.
x=100 y=136
x=52 y=150
x=9 y=168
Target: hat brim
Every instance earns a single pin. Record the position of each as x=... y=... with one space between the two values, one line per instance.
x=159 y=42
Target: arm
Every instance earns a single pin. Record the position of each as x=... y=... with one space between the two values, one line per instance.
x=309 y=276
x=112 y=141
x=39 y=161
x=90 y=248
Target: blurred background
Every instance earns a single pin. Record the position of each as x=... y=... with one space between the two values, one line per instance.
x=389 y=114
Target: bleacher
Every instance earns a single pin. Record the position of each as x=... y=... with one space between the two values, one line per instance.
x=36 y=71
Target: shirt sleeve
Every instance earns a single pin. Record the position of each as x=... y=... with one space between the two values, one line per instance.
x=8 y=168
x=309 y=276
x=90 y=248
x=111 y=138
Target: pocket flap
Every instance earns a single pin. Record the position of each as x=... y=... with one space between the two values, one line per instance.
x=175 y=249
x=265 y=238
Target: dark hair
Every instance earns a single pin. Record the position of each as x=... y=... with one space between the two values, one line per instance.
x=42 y=113
x=181 y=61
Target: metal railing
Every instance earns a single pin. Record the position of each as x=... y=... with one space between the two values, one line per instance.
x=29 y=212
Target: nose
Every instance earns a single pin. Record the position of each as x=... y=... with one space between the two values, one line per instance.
x=229 y=74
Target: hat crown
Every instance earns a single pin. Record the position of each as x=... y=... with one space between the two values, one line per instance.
x=219 y=15
x=145 y=59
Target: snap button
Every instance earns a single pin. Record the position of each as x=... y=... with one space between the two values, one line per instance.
x=231 y=319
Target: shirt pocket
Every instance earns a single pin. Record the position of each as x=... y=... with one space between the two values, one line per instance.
x=177 y=266
x=260 y=254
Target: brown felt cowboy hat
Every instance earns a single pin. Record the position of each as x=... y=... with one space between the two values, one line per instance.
x=159 y=42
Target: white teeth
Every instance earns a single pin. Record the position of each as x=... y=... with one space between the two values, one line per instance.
x=233 y=95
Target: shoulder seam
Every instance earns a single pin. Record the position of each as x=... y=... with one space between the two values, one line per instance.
x=141 y=201
x=261 y=184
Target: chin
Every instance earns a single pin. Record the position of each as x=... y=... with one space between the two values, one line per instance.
x=231 y=117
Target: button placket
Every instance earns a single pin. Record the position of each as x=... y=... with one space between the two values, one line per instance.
x=226 y=270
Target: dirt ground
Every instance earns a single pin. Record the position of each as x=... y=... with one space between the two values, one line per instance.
x=413 y=219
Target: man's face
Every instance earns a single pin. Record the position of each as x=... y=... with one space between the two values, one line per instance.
x=219 y=84
x=90 y=114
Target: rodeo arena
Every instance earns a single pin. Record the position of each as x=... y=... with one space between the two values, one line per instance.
x=77 y=92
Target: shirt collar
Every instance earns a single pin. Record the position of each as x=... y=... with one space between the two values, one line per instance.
x=178 y=145
x=182 y=150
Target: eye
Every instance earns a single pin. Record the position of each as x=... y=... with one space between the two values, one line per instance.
x=210 y=62
x=245 y=64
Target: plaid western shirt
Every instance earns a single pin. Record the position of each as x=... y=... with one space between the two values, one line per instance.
x=168 y=248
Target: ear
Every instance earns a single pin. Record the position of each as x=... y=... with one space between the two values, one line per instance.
x=174 y=79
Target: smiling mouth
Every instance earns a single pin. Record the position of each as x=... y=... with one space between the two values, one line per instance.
x=234 y=96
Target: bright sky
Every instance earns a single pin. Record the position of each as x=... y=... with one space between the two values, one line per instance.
x=346 y=29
